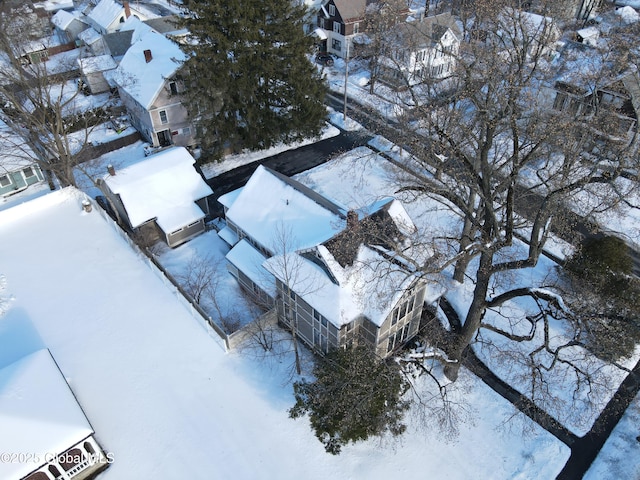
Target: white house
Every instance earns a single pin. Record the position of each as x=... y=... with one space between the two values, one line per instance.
x=43 y=425
x=333 y=271
x=162 y=195
x=108 y=15
x=423 y=49
x=149 y=90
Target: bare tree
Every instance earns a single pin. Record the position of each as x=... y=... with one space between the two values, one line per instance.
x=40 y=101
x=504 y=155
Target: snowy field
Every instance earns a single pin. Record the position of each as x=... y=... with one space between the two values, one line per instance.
x=168 y=402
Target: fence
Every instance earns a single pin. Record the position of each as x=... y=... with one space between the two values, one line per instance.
x=90 y=152
x=196 y=311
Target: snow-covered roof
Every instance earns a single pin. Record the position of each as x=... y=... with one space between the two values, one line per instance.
x=164 y=187
x=106 y=12
x=99 y=63
x=246 y=258
x=227 y=199
x=144 y=80
x=53 y=5
x=38 y=413
x=89 y=36
x=370 y=287
x=353 y=274
x=350 y=10
x=271 y=206
x=62 y=19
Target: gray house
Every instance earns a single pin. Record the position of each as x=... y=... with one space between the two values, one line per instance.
x=162 y=196
x=150 y=92
x=331 y=273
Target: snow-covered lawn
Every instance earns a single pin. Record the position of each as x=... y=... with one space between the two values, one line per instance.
x=168 y=402
x=619 y=455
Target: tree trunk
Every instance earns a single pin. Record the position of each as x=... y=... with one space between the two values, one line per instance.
x=473 y=318
x=465 y=240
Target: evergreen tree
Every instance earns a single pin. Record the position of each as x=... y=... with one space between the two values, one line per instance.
x=249 y=83
x=355 y=396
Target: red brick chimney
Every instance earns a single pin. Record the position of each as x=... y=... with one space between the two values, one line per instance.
x=111 y=170
x=147 y=56
x=127 y=10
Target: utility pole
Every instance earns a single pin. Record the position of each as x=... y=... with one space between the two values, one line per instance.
x=346 y=77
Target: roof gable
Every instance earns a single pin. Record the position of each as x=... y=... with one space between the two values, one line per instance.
x=38 y=412
x=164 y=187
x=106 y=12
x=350 y=10
x=271 y=205
x=141 y=79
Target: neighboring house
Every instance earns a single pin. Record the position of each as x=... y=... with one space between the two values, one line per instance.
x=514 y=31
x=147 y=83
x=161 y=196
x=43 y=425
x=108 y=15
x=330 y=272
x=18 y=171
x=568 y=10
x=423 y=49
x=582 y=88
x=341 y=21
x=68 y=26
x=95 y=72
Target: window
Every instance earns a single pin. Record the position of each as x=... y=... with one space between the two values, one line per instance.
x=5 y=181
x=28 y=172
x=163 y=116
x=332 y=10
x=173 y=87
x=186 y=131
x=336 y=27
x=336 y=45
x=356 y=28
x=560 y=101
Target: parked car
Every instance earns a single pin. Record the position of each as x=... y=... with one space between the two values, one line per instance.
x=324 y=58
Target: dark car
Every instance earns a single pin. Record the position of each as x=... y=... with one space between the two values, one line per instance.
x=324 y=58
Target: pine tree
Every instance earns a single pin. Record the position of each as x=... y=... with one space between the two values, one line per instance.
x=249 y=82
x=354 y=396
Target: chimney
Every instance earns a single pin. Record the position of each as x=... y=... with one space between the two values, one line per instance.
x=147 y=56
x=111 y=170
x=352 y=219
x=127 y=10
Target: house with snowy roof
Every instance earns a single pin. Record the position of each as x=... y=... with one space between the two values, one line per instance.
x=587 y=85
x=340 y=21
x=162 y=196
x=96 y=73
x=146 y=79
x=18 y=170
x=333 y=273
x=425 y=48
x=68 y=25
x=108 y=15
x=42 y=424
